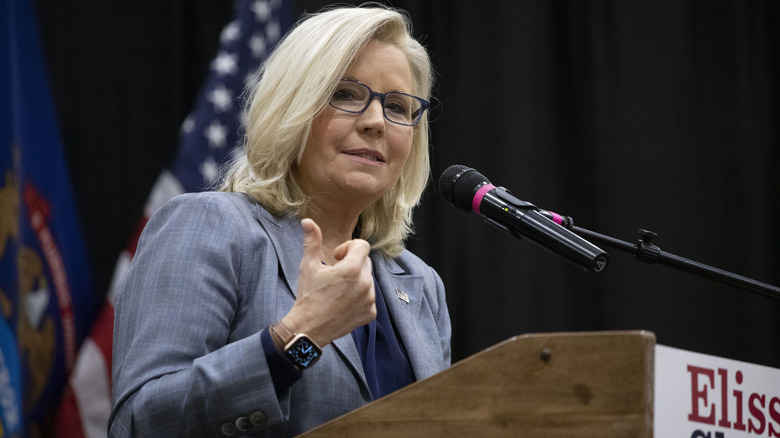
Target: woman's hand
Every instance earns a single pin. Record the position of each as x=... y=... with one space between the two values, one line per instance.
x=332 y=300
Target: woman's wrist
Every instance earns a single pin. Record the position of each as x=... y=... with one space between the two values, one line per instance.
x=287 y=327
x=298 y=348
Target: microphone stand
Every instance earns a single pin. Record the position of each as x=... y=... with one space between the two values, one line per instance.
x=645 y=251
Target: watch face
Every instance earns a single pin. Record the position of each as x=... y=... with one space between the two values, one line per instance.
x=303 y=352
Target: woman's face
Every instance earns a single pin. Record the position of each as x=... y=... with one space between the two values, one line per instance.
x=357 y=158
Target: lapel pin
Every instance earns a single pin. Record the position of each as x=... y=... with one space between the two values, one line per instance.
x=402 y=295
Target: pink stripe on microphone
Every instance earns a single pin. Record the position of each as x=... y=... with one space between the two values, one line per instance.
x=558 y=219
x=479 y=195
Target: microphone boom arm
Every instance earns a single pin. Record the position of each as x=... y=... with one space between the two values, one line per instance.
x=645 y=251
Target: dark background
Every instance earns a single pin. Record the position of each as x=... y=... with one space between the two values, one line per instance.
x=624 y=115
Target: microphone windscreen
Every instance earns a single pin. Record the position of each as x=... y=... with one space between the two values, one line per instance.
x=459 y=184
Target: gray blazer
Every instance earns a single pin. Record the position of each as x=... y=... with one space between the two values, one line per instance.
x=211 y=271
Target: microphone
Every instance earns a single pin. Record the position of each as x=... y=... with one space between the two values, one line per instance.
x=468 y=189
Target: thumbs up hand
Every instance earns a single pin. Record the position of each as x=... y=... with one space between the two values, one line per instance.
x=332 y=300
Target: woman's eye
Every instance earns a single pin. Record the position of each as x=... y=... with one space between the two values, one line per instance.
x=346 y=94
x=397 y=107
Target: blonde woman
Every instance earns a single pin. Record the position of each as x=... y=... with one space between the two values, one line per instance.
x=287 y=298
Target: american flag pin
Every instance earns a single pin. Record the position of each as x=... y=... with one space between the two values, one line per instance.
x=402 y=295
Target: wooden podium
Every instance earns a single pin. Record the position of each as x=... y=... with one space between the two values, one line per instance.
x=590 y=384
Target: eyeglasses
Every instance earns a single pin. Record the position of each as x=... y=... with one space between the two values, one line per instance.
x=399 y=108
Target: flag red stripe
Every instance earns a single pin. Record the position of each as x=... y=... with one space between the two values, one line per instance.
x=103 y=332
x=68 y=417
x=133 y=244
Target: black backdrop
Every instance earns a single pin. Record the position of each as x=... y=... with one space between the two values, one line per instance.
x=625 y=115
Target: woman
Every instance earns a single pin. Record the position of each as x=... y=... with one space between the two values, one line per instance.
x=287 y=299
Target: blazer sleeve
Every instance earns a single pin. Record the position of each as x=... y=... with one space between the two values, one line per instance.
x=175 y=370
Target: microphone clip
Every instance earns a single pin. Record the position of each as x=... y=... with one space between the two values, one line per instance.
x=646 y=251
x=507 y=196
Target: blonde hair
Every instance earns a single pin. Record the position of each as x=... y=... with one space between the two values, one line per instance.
x=295 y=84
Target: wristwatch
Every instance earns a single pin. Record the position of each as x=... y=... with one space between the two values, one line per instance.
x=299 y=348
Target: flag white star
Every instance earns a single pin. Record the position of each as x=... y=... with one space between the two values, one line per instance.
x=231 y=32
x=208 y=168
x=274 y=30
x=258 y=45
x=217 y=134
x=188 y=125
x=262 y=10
x=225 y=63
x=221 y=97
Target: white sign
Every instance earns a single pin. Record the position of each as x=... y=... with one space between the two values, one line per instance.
x=702 y=396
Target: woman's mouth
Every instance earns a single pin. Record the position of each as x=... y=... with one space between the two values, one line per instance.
x=367 y=155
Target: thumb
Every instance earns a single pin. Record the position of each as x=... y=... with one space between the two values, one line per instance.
x=312 y=240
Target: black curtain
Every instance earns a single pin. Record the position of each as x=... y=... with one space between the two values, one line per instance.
x=624 y=115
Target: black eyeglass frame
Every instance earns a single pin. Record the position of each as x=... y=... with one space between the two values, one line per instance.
x=424 y=104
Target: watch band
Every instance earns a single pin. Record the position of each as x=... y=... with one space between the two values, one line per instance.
x=285 y=339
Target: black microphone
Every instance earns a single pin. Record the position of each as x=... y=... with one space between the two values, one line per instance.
x=468 y=189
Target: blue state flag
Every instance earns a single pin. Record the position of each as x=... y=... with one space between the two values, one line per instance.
x=47 y=301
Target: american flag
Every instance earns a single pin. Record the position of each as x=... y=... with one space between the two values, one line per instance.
x=208 y=137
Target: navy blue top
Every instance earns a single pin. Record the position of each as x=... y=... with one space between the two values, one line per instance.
x=384 y=359
x=385 y=363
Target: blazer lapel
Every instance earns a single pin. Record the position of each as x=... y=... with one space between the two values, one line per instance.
x=286 y=235
x=404 y=296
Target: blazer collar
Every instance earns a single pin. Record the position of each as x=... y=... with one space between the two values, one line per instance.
x=286 y=235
